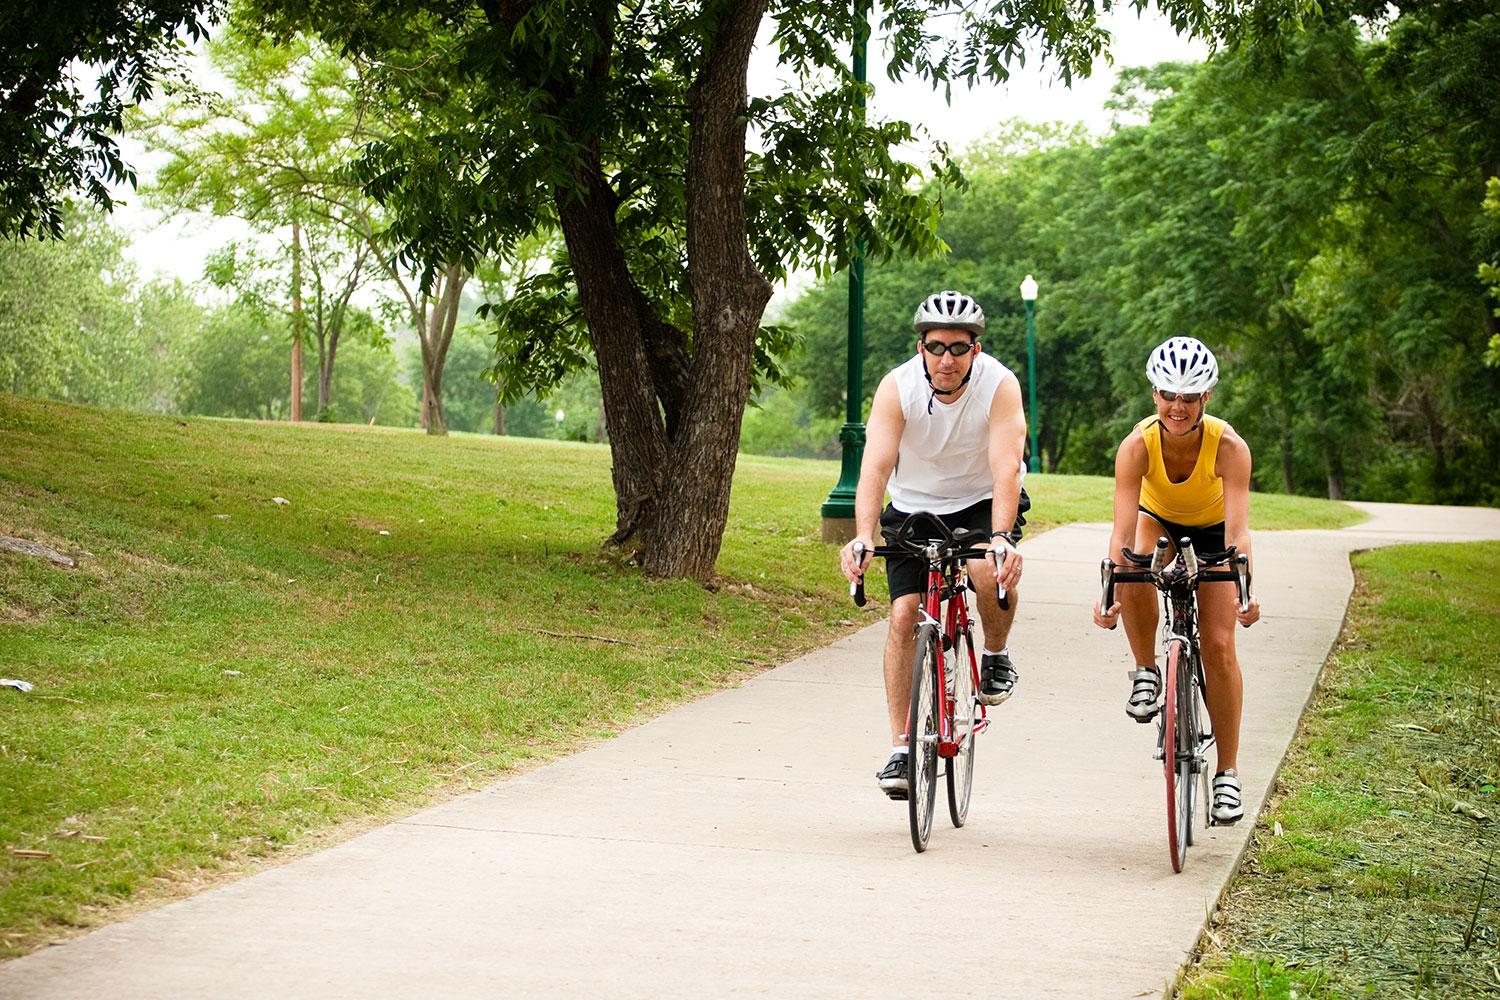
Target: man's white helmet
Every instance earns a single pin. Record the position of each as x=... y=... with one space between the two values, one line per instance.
x=951 y=310
x=1182 y=364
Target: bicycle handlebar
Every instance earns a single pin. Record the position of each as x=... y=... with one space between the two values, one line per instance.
x=956 y=545
x=1214 y=567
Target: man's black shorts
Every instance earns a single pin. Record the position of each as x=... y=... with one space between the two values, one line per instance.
x=909 y=575
x=1205 y=538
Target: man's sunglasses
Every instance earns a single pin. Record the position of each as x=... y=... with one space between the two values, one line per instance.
x=937 y=348
x=1186 y=397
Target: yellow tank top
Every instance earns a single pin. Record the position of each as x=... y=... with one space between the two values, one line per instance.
x=1198 y=500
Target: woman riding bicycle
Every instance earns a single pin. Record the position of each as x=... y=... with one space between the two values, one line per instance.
x=1181 y=473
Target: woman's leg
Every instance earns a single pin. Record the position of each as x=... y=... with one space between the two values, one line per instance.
x=1221 y=667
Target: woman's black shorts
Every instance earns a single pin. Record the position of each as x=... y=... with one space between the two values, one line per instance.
x=909 y=575
x=1205 y=538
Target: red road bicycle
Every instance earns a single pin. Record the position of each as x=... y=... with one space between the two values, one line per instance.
x=1183 y=735
x=945 y=714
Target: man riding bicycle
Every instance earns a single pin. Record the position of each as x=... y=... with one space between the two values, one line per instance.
x=1183 y=474
x=946 y=434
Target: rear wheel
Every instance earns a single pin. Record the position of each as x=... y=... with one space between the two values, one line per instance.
x=1176 y=816
x=922 y=737
x=965 y=716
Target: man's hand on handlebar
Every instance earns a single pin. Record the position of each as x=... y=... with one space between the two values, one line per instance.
x=854 y=566
x=1248 y=613
x=1108 y=618
x=1007 y=561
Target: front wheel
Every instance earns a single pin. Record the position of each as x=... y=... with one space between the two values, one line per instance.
x=922 y=737
x=965 y=717
x=1188 y=771
x=1171 y=742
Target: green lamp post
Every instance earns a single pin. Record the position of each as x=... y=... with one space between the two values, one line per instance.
x=1033 y=418
x=838 y=509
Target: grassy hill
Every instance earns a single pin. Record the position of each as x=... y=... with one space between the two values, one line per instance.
x=225 y=677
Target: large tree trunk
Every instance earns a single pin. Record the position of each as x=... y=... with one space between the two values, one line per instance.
x=729 y=296
x=639 y=443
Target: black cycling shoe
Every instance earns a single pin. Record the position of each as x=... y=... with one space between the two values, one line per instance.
x=892 y=777
x=997 y=678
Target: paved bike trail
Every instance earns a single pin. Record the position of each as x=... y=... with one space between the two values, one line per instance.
x=738 y=846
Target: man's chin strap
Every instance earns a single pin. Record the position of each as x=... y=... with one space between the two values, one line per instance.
x=936 y=392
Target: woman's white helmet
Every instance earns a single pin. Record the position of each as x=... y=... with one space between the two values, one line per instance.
x=951 y=310
x=1182 y=364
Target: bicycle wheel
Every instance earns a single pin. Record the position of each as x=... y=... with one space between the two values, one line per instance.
x=965 y=715
x=1187 y=746
x=922 y=737
x=1176 y=818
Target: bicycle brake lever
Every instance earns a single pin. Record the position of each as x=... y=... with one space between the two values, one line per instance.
x=1000 y=594
x=857 y=587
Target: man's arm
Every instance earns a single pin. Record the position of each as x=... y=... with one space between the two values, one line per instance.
x=1233 y=464
x=1006 y=446
x=882 y=444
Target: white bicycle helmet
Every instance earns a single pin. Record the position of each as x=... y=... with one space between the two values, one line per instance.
x=1182 y=364
x=950 y=310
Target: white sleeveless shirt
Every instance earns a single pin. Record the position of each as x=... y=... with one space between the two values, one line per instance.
x=943 y=464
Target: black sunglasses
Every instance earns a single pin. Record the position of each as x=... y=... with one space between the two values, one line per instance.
x=937 y=348
x=1186 y=397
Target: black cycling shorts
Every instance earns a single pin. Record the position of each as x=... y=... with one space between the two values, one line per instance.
x=908 y=575
x=1205 y=538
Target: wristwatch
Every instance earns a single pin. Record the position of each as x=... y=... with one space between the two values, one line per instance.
x=1009 y=536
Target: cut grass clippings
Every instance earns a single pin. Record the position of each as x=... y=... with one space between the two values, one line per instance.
x=278 y=633
x=1374 y=872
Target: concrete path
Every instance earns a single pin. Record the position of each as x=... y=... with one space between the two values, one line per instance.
x=738 y=846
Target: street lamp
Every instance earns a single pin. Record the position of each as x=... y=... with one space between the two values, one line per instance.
x=1028 y=296
x=838 y=509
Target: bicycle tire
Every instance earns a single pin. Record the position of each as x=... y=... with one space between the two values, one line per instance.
x=1176 y=842
x=1187 y=747
x=922 y=737
x=965 y=712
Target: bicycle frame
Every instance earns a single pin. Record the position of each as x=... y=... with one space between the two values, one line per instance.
x=947 y=580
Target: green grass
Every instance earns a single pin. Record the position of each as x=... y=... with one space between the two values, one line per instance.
x=226 y=678
x=1375 y=872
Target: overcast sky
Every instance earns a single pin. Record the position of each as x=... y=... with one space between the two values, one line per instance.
x=177 y=247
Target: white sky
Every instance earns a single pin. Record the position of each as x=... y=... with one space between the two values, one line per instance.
x=177 y=246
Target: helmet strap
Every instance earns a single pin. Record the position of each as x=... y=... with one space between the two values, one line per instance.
x=936 y=392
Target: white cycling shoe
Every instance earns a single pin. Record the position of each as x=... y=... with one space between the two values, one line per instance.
x=1145 y=694
x=1228 y=807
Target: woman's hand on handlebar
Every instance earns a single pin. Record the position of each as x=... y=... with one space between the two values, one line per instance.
x=854 y=567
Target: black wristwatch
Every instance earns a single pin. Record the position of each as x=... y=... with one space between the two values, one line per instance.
x=1009 y=536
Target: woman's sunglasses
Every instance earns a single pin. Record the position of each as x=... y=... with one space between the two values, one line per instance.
x=1186 y=397
x=937 y=348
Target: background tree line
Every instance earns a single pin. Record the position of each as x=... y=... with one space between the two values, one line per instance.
x=1316 y=213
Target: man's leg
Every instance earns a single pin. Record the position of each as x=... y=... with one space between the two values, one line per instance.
x=997 y=674
x=900 y=647
x=995 y=620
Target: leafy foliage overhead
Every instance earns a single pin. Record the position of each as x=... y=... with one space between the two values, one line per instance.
x=57 y=132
